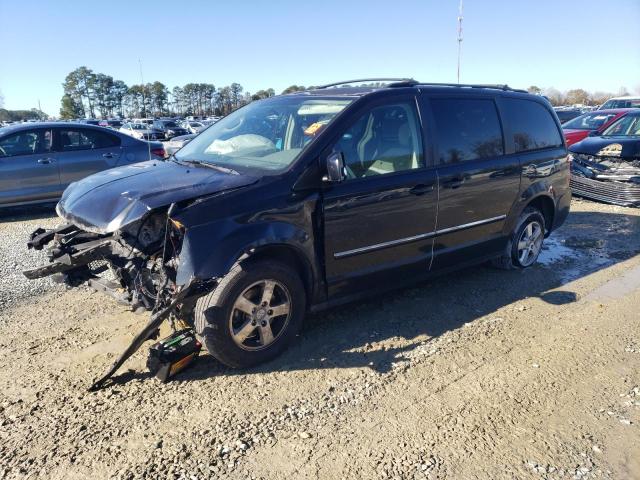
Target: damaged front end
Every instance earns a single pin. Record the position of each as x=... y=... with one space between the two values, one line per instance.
x=605 y=178
x=136 y=265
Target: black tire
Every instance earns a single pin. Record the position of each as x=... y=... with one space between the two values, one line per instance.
x=511 y=257
x=215 y=314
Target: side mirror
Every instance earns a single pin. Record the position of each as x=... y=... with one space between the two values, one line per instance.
x=335 y=168
x=594 y=133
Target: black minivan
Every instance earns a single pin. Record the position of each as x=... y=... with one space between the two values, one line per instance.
x=303 y=201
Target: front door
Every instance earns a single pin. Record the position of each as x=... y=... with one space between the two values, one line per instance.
x=379 y=222
x=478 y=183
x=28 y=169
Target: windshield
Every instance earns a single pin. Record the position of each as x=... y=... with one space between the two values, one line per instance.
x=589 y=121
x=266 y=135
x=627 y=126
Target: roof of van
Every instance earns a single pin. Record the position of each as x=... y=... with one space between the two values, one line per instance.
x=365 y=86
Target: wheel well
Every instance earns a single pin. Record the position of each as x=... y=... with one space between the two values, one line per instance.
x=547 y=207
x=290 y=257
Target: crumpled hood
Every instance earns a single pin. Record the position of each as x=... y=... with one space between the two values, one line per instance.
x=108 y=200
x=623 y=147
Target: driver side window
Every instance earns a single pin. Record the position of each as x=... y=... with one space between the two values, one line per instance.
x=386 y=139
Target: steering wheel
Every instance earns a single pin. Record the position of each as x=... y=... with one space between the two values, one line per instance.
x=3 y=153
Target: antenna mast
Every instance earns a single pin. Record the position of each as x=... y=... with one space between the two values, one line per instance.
x=459 y=37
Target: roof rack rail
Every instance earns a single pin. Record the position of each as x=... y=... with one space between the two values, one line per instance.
x=473 y=85
x=392 y=82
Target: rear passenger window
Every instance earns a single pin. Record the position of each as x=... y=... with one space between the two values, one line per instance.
x=74 y=140
x=531 y=125
x=466 y=129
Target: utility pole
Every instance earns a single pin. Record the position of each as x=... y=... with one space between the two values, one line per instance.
x=459 y=37
x=144 y=101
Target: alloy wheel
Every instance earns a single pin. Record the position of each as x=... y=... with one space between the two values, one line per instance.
x=260 y=315
x=530 y=243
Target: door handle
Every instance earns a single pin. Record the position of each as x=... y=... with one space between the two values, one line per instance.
x=421 y=189
x=108 y=155
x=45 y=161
x=455 y=182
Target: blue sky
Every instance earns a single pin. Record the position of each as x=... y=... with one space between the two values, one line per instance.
x=550 y=43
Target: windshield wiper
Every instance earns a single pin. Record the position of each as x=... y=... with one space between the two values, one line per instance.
x=211 y=165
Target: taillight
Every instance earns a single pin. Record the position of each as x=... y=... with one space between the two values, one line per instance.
x=159 y=152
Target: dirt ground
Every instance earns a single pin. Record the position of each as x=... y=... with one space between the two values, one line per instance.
x=482 y=374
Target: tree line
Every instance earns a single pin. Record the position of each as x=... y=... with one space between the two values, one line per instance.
x=21 y=115
x=577 y=96
x=90 y=95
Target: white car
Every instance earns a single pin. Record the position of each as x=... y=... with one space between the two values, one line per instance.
x=621 y=102
x=145 y=121
x=193 y=127
x=141 y=131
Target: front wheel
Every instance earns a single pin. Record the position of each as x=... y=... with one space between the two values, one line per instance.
x=252 y=315
x=526 y=241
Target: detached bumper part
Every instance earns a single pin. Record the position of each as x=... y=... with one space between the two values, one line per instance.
x=626 y=194
x=154 y=323
x=606 y=179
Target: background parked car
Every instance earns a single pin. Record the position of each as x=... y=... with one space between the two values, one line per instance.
x=606 y=167
x=580 y=127
x=145 y=121
x=90 y=121
x=621 y=102
x=38 y=161
x=176 y=143
x=566 y=114
x=142 y=131
x=115 y=124
x=170 y=128
x=193 y=126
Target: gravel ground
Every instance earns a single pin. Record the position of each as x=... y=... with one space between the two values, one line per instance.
x=482 y=374
x=15 y=227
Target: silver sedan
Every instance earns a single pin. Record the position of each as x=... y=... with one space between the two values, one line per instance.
x=176 y=143
x=39 y=160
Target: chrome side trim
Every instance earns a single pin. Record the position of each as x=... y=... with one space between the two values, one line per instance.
x=422 y=236
x=472 y=224
x=378 y=246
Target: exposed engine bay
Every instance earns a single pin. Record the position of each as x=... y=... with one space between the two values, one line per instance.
x=609 y=179
x=136 y=265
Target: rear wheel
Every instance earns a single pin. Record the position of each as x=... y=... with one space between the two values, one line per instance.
x=252 y=315
x=526 y=241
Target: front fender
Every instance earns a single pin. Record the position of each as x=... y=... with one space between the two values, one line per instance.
x=209 y=251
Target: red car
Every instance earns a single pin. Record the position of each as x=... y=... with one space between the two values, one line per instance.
x=580 y=127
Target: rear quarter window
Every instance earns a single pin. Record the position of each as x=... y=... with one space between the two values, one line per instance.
x=531 y=125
